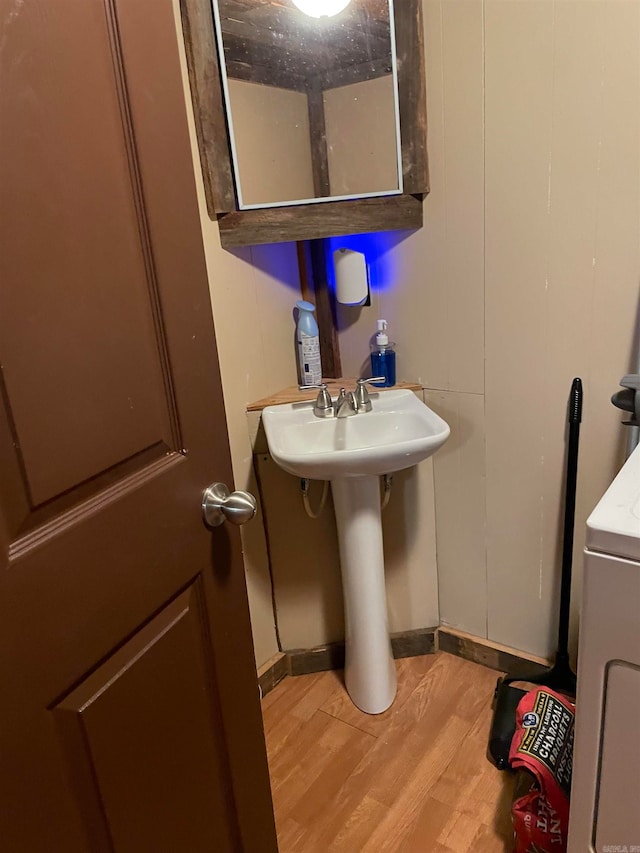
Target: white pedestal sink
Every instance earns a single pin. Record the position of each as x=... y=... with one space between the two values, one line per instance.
x=352 y=453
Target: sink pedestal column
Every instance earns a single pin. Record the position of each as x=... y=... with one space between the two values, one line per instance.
x=370 y=674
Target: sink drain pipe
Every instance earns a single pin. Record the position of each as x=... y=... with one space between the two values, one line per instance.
x=387 y=480
x=304 y=488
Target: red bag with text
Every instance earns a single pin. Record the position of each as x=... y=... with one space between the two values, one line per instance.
x=543 y=746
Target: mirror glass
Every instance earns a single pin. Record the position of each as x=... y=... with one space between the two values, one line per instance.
x=311 y=102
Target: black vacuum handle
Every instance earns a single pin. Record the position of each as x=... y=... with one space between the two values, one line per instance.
x=575 y=416
x=575 y=401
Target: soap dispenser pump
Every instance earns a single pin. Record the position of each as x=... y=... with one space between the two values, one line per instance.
x=383 y=357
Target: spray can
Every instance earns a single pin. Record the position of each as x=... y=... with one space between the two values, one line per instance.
x=308 y=345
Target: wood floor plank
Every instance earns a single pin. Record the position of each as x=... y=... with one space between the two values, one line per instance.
x=415 y=779
x=409 y=800
x=357 y=828
x=470 y=782
x=386 y=767
x=459 y=832
x=409 y=671
x=323 y=746
x=285 y=714
x=444 y=696
x=303 y=695
x=317 y=693
x=284 y=736
x=487 y=840
x=473 y=786
x=348 y=745
x=290 y=835
x=423 y=835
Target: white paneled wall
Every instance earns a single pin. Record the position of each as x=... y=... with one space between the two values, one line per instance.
x=562 y=119
x=461 y=513
x=523 y=426
x=462 y=81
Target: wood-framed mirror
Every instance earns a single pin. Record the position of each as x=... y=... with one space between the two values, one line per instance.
x=273 y=53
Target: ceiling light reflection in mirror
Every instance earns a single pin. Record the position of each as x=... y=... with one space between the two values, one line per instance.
x=311 y=103
x=321 y=8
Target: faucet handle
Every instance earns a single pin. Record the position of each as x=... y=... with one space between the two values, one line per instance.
x=362 y=395
x=362 y=382
x=311 y=387
x=323 y=406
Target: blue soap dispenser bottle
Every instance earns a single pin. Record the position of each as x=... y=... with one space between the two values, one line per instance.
x=383 y=357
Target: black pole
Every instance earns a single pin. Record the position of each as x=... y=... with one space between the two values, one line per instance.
x=574 y=418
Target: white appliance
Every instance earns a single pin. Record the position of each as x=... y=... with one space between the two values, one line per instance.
x=605 y=794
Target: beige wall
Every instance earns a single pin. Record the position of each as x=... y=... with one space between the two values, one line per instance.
x=525 y=274
x=273 y=146
x=360 y=126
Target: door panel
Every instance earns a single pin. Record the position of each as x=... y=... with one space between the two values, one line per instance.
x=146 y=704
x=130 y=705
x=76 y=413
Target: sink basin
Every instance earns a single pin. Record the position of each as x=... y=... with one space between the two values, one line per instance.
x=399 y=432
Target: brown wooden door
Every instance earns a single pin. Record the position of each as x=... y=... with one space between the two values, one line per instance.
x=129 y=711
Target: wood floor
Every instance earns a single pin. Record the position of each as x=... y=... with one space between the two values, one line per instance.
x=414 y=779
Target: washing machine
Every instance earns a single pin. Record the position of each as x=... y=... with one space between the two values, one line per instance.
x=605 y=794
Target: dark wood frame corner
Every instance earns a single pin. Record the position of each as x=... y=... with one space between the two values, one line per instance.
x=310 y=221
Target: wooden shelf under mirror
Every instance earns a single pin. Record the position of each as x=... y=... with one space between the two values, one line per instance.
x=303 y=221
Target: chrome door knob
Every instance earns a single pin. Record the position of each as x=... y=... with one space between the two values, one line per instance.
x=219 y=504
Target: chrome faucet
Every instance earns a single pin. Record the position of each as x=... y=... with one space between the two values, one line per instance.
x=346 y=404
